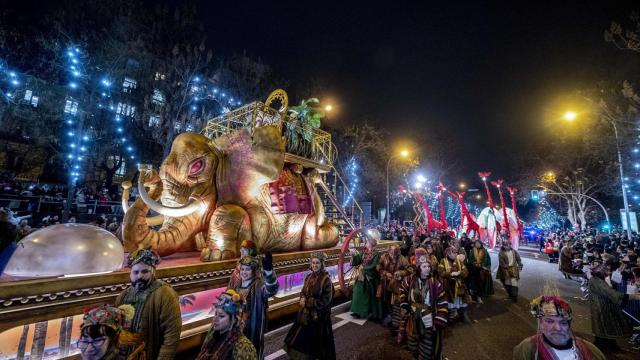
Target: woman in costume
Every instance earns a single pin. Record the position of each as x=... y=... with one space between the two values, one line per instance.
x=509 y=269
x=257 y=286
x=367 y=290
x=481 y=284
x=452 y=272
x=311 y=336
x=225 y=340
x=247 y=247
x=102 y=332
x=424 y=298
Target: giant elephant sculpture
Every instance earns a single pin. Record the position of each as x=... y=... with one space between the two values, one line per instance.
x=215 y=193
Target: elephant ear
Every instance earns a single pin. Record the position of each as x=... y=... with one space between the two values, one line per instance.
x=248 y=162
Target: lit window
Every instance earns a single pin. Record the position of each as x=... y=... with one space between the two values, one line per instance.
x=158 y=97
x=154 y=121
x=30 y=99
x=129 y=84
x=71 y=107
x=123 y=166
x=126 y=109
x=159 y=76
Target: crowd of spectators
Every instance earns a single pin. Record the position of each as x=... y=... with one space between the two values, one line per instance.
x=602 y=262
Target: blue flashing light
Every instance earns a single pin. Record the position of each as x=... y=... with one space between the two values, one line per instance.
x=12 y=74
x=130 y=148
x=70 y=156
x=79 y=158
x=124 y=139
x=73 y=145
x=74 y=60
x=215 y=91
x=70 y=133
x=132 y=157
x=193 y=108
x=85 y=138
x=106 y=82
x=69 y=53
x=15 y=82
x=223 y=94
x=83 y=149
x=73 y=85
x=119 y=129
x=118 y=118
x=196 y=79
x=76 y=73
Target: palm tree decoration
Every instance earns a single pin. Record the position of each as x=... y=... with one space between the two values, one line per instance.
x=186 y=300
x=308 y=116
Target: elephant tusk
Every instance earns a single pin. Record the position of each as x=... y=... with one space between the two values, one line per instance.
x=151 y=221
x=192 y=206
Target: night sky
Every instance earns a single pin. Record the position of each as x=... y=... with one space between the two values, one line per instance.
x=482 y=74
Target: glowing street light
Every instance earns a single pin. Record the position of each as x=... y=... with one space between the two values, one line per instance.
x=462 y=185
x=328 y=108
x=570 y=116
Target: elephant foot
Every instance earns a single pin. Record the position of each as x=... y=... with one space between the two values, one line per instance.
x=319 y=237
x=209 y=254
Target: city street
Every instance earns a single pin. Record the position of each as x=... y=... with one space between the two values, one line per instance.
x=497 y=325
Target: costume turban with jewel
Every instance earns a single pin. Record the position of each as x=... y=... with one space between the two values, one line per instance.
x=146 y=256
x=115 y=318
x=550 y=305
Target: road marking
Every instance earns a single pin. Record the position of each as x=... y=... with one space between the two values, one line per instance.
x=275 y=355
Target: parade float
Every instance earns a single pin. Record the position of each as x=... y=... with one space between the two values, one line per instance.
x=259 y=172
x=489 y=224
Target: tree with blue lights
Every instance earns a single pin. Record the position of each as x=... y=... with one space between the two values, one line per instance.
x=546 y=218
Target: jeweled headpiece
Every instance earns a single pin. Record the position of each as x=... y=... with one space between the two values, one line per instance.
x=249 y=260
x=319 y=255
x=550 y=305
x=230 y=302
x=147 y=256
x=116 y=318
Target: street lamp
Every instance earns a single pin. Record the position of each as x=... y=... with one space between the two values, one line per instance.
x=404 y=154
x=328 y=108
x=570 y=116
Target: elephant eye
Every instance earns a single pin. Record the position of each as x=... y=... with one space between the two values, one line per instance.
x=196 y=167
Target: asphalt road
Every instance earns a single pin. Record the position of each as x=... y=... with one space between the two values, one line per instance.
x=497 y=325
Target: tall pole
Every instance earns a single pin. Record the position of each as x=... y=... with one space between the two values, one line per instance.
x=624 y=189
x=388 y=214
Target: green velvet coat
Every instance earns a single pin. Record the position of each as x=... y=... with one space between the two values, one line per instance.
x=607 y=319
x=479 y=266
x=365 y=302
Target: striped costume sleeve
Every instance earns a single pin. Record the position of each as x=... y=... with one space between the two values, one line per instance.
x=405 y=287
x=442 y=308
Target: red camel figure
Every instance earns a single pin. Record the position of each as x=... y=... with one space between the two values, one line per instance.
x=505 y=219
x=431 y=222
x=443 y=218
x=472 y=225
x=514 y=205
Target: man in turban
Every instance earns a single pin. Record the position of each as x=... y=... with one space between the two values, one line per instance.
x=157 y=320
x=554 y=339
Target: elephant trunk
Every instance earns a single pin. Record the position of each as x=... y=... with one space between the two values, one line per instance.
x=177 y=233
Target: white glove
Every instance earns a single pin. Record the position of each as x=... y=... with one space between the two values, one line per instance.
x=427 y=320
